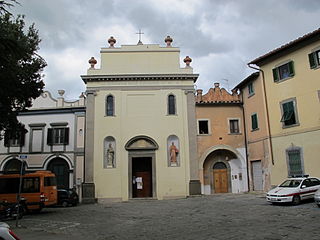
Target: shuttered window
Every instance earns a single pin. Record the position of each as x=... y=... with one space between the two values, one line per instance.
x=314 y=59
x=288 y=114
x=294 y=161
x=254 y=122
x=284 y=71
x=58 y=136
x=15 y=139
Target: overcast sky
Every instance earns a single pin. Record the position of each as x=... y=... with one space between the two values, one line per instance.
x=221 y=36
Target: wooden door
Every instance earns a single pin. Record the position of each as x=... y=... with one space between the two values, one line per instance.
x=220 y=179
x=143 y=189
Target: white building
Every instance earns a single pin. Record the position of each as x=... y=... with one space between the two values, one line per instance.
x=54 y=141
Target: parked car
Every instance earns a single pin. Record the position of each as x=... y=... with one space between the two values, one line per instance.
x=6 y=233
x=293 y=190
x=67 y=197
x=317 y=197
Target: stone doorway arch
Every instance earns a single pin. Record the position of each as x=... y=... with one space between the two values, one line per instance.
x=142 y=168
x=61 y=169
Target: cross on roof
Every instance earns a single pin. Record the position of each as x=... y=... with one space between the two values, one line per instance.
x=140 y=33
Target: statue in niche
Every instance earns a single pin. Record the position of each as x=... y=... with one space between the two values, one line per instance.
x=110 y=156
x=174 y=151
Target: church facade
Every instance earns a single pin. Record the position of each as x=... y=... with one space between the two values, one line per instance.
x=140 y=124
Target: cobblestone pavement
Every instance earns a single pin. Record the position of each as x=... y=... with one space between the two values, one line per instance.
x=225 y=216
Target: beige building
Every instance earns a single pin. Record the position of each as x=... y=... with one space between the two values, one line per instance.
x=291 y=74
x=140 y=124
x=222 y=160
x=257 y=132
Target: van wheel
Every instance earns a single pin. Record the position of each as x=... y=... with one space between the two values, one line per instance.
x=296 y=200
x=64 y=204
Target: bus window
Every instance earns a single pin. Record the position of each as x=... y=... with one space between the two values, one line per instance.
x=9 y=185
x=50 y=181
x=31 y=185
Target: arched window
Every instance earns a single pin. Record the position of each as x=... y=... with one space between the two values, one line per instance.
x=171 y=104
x=13 y=166
x=110 y=105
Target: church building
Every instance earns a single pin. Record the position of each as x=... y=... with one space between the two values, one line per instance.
x=140 y=124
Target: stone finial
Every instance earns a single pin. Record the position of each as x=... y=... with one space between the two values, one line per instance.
x=216 y=85
x=61 y=92
x=92 y=62
x=168 y=40
x=112 y=41
x=187 y=60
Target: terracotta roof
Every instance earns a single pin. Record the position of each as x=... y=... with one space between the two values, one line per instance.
x=245 y=81
x=217 y=95
x=312 y=35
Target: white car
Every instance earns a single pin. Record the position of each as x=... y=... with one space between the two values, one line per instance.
x=294 y=190
x=6 y=233
x=317 y=197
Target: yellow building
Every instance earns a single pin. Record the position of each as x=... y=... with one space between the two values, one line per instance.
x=140 y=124
x=291 y=75
x=221 y=142
x=257 y=131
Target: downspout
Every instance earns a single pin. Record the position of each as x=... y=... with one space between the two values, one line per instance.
x=245 y=142
x=267 y=111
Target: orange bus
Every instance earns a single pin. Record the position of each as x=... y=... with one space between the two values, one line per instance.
x=38 y=189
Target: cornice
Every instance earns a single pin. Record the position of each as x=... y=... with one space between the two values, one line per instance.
x=139 y=77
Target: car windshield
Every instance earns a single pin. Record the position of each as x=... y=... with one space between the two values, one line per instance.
x=290 y=183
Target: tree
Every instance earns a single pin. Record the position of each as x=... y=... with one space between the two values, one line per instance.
x=21 y=78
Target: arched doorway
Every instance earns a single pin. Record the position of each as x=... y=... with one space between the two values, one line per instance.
x=220 y=177
x=13 y=166
x=142 y=173
x=61 y=169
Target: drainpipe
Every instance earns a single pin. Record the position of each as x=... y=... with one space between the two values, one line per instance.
x=245 y=142
x=267 y=111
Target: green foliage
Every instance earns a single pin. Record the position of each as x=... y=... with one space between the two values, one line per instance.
x=20 y=69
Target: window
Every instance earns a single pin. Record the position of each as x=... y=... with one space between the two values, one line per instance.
x=314 y=182
x=250 y=89
x=234 y=126
x=58 y=136
x=110 y=106
x=314 y=59
x=15 y=139
x=289 y=114
x=171 y=105
x=203 y=127
x=294 y=162
x=254 y=122
x=283 y=72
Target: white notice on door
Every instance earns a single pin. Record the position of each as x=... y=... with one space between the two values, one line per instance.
x=139 y=182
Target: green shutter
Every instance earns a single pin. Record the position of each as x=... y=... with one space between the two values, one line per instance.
x=312 y=60
x=291 y=69
x=254 y=121
x=275 y=75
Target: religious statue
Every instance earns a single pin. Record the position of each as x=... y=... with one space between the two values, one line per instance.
x=110 y=156
x=174 y=151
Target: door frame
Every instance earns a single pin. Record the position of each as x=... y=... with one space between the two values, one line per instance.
x=228 y=175
x=138 y=154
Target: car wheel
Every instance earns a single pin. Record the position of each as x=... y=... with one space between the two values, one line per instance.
x=318 y=205
x=64 y=204
x=296 y=200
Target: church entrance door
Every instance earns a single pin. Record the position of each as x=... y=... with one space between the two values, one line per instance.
x=142 y=177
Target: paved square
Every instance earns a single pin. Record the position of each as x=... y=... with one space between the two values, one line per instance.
x=225 y=216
